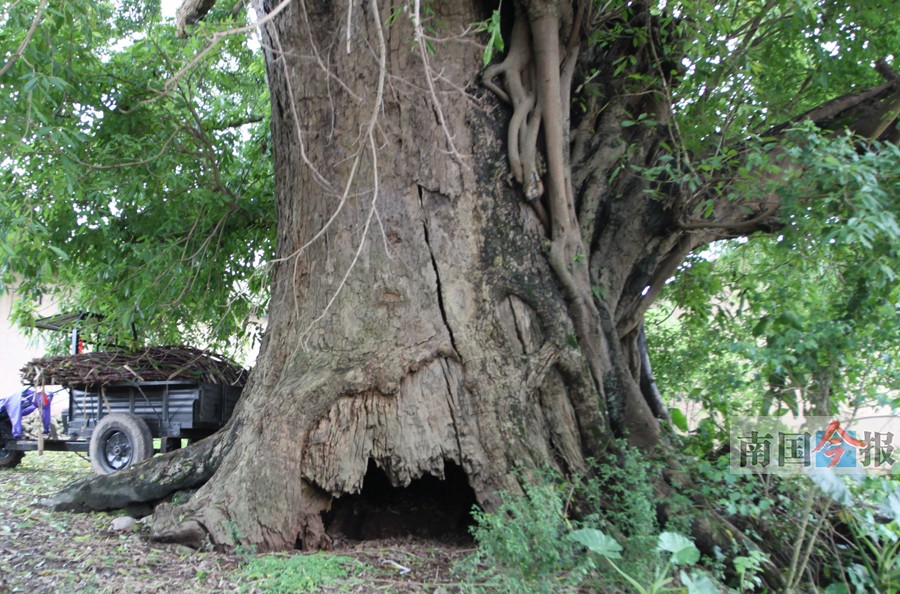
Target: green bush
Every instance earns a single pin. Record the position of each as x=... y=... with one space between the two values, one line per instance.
x=521 y=546
x=620 y=497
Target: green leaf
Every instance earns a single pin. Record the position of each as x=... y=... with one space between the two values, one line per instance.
x=682 y=548
x=495 y=42
x=598 y=542
x=61 y=254
x=679 y=419
x=698 y=583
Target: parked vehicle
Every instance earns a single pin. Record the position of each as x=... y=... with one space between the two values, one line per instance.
x=171 y=393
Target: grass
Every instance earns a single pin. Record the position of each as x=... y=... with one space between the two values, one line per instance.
x=287 y=574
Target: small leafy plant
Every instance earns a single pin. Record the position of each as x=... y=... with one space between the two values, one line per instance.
x=680 y=551
x=748 y=568
x=495 y=40
x=521 y=546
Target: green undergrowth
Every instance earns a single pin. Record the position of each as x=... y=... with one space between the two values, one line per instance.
x=288 y=574
x=596 y=534
x=832 y=534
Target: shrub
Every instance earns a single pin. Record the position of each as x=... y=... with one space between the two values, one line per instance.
x=521 y=546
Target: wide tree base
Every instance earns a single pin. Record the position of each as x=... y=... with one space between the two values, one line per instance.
x=430 y=508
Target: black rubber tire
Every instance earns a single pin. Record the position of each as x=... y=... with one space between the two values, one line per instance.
x=118 y=441
x=8 y=458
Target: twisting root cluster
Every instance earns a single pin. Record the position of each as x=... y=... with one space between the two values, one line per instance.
x=535 y=77
x=517 y=72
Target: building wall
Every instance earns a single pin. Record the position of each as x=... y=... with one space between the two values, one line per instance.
x=16 y=349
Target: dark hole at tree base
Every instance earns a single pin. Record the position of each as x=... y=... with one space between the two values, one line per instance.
x=428 y=508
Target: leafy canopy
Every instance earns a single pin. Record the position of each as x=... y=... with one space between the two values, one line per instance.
x=805 y=321
x=135 y=179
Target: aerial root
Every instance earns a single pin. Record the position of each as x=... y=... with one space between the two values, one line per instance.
x=517 y=74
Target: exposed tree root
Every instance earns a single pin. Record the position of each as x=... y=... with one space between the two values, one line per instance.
x=146 y=483
x=517 y=73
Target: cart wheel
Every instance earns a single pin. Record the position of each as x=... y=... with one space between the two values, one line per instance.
x=118 y=441
x=8 y=458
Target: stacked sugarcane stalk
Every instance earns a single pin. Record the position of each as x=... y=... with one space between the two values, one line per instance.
x=159 y=363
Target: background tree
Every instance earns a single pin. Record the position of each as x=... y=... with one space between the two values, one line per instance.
x=801 y=322
x=132 y=187
x=465 y=255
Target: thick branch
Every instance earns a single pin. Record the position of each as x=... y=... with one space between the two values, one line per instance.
x=867 y=114
x=871 y=114
x=190 y=12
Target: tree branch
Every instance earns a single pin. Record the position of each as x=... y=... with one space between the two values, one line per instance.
x=31 y=30
x=253 y=119
x=190 y=12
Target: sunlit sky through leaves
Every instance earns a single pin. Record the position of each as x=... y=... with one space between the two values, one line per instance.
x=169 y=7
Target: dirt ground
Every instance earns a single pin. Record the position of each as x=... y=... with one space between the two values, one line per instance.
x=53 y=552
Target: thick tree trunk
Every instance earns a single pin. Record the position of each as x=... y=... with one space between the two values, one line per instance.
x=414 y=320
x=432 y=307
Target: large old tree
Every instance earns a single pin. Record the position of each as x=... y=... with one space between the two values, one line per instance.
x=465 y=253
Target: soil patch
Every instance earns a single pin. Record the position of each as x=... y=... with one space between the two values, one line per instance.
x=57 y=552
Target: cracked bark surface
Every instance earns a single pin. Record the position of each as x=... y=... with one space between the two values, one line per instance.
x=443 y=345
x=490 y=324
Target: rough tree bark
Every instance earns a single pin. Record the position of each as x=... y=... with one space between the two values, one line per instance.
x=460 y=276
